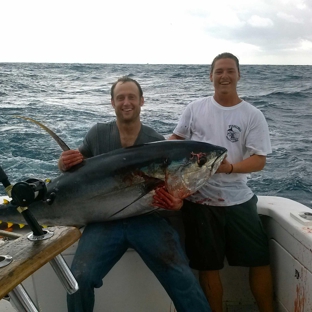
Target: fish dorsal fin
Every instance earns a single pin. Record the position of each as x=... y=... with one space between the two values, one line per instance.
x=59 y=141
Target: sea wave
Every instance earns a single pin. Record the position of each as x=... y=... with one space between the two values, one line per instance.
x=70 y=98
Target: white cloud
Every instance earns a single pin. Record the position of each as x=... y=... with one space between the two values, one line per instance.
x=305 y=45
x=166 y=31
x=289 y=18
x=300 y=4
x=262 y=22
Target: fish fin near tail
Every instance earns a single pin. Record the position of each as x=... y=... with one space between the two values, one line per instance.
x=59 y=141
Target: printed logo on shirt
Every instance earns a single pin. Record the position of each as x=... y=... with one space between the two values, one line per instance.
x=233 y=133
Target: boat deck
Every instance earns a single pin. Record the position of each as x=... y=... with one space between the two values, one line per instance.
x=130 y=286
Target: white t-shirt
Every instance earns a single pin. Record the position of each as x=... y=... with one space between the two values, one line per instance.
x=241 y=129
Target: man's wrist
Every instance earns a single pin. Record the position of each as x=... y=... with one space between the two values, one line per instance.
x=232 y=167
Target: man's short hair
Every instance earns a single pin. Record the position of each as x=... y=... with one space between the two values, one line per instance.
x=124 y=79
x=223 y=56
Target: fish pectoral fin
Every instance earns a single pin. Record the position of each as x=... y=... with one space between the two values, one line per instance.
x=151 y=184
x=120 y=210
x=148 y=186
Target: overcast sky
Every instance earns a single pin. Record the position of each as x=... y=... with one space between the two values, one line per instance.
x=156 y=32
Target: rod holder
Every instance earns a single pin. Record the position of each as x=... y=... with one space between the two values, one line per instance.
x=5 y=260
x=64 y=274
x=31 y=221
x=23 y=194
x=58 y=263
x=21 y=300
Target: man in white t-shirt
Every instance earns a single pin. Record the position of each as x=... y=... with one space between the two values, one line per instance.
x=221 y=219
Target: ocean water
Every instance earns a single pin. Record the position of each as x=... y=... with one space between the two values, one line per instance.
x=70 y=98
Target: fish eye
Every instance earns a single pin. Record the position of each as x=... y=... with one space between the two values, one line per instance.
x=202 y=160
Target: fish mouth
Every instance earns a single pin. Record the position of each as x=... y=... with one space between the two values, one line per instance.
x=218 y=162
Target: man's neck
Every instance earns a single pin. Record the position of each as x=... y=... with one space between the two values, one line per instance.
x=128 y=132
x=227 y=100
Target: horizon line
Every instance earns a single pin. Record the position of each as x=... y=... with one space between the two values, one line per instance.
x=112 y=63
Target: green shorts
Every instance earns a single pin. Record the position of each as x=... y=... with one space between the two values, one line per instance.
x=235 y=232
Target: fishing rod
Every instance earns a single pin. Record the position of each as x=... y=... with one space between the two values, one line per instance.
x=23 y=194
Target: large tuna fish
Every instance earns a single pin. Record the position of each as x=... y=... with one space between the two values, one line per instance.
x=119 y=184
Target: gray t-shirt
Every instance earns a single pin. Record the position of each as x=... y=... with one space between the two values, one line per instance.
x=104 y=137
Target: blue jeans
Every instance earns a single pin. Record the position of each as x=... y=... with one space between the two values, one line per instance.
x=103 y=244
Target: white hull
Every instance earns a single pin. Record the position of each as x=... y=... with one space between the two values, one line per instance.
x=291 y=252
x=131 y=287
